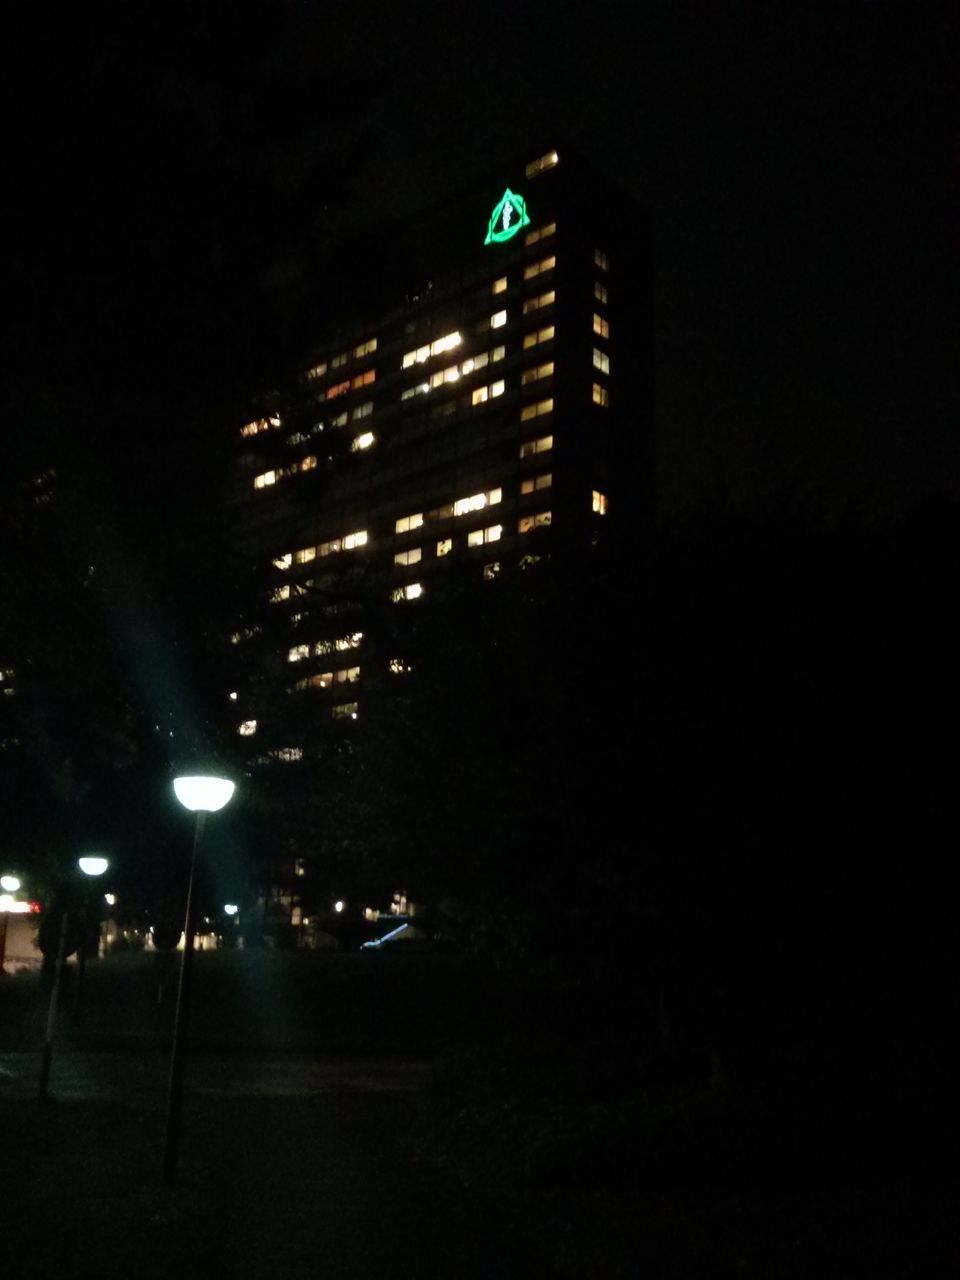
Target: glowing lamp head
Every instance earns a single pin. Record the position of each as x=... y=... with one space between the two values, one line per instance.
x=230 y=908
x=10 y=884
x=203 y=793
x=338 y=906
x=110 y=899
x=93 y=865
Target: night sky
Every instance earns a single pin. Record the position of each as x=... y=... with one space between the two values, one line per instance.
x=169 y=171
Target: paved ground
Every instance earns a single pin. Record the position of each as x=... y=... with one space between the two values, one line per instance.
x=133 y=1077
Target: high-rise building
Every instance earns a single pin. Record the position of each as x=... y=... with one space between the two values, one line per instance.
x=498 y=414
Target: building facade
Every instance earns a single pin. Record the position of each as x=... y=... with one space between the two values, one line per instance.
x=496 y=415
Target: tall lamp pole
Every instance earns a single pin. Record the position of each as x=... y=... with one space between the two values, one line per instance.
x=92 y=866
x=202 y=795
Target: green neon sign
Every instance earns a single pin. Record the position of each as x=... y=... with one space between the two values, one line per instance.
x=507 y=218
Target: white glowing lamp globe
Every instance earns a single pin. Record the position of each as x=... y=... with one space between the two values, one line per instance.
x=10 y=884
x=230 y=908
x=203 y=793
x=92 y=865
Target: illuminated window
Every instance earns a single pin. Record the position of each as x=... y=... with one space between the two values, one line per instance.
x=544 y=300
x=363 y=441
x=281 y=593
x=340 y=360
x=304 y=555
x=284 y=561
x=601 y=395
x=499 y=285
x=341 y=645
x=477 y=502
x=421 y=354
x=540 y=234
x=533 y=483
x=338 y=389
x=287 y=754
x=341 y=419
x=600 y=292
x=498 y=320
x=345 y=711
x=261 y=481
x=536 y=410
x=406 y=523
x=538 y=521
x=412 y=591
x=491 y=570
x=413 y=556
x=542 y=162
x=365 y=348
x=477 y=537
x=298 y=652
x=361 y=411
x=444 y=546
x=535 y=374
x=247 y=728
x=601 y=360
x=488 y=393
x=531 y=447
x=348 y=675
x=600 y=326
x=538 y=268
x=599 y=502
x=527 y=562
x=539 y=335
x=259 y=425
x=601 y=260
x=397 y=667
x=363 y=379
x=317 y=371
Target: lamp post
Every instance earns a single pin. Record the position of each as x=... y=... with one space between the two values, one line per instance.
x=9 y=884
x=202 y=795
x=92 y=866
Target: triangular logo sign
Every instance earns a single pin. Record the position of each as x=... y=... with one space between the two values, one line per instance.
x=507 y=218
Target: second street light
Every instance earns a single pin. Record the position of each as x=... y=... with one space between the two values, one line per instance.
x=92 y=867
x=202 y=795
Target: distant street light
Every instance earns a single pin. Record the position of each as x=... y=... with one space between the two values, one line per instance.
x=92 y=866
x=201 y=795
x=9 y=884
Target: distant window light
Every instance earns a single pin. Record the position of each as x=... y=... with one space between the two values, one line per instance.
x=542 y=233
x=530 y=448
x=317 y=371
x=538 y=521
x=338 y=389
x=259 y=425
x=536 y=373
x=345 y=711
x=444 y=546
x=491 y=570
x=498 y=320
x=478 y=537
x=543 y=300
x=601 y=396
x=363 y=441
x=600 y=292
x=362 y=411
x=265 y=478
x=247 y=728
x=599 y=502
x=528 y=561
x=287 y=755
x=298 y=653
x=397 y=667
x=601 y=260
x=406 y=523
x=490 y=392
x=421 y=354
x=601 y=327
x=536 y=409
x=413 y=556
x=284 y=561
x=546 y=161
x=499 y=285
x=412 y=591
x=537 y=336
x=477 y=502
x=534 y=483
x=538 y=268
x=601 y=360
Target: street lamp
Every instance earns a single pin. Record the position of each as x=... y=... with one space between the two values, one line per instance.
x=9 y=884
x=92 y=866
x=201 y=794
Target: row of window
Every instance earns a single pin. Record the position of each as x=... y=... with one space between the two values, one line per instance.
x=327 y=679
x=338 y=361
x=454 y=372
x=266 y=478
x=349 y=384
x=259 y=425
x=320 y=648
x=541 y=163
x=348 y=542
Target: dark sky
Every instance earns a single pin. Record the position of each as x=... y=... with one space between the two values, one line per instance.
x=797 y=161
